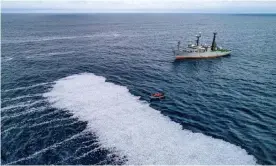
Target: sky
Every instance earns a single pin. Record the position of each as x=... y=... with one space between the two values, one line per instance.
x=138 y=6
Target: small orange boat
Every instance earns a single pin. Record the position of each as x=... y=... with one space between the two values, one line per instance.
x=157 y=96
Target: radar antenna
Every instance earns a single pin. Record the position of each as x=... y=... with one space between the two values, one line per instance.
x=197 y=40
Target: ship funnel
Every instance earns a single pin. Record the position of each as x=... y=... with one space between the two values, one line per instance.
x=214 y=45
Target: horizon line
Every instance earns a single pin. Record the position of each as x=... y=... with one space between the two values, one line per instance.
x=133 y=12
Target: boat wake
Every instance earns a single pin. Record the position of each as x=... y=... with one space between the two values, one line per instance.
x=132 y=129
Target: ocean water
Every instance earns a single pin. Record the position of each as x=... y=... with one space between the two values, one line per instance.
x=75 y=90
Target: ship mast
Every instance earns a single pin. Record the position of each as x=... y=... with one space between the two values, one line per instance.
x=197 y=40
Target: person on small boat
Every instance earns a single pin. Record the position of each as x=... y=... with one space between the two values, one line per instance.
x=158 y=94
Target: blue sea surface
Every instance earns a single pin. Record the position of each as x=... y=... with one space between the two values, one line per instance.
x=231 y=98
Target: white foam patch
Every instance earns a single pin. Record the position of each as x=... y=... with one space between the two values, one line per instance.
x=27 y=104
x=53 y=38
x=21 y=97
x=6 y=59
x=27 y=87
x=60 y=53
x=135 y=130
x=51 y=54
x=56 y=145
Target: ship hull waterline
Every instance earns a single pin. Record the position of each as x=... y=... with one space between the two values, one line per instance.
x=202 y=56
